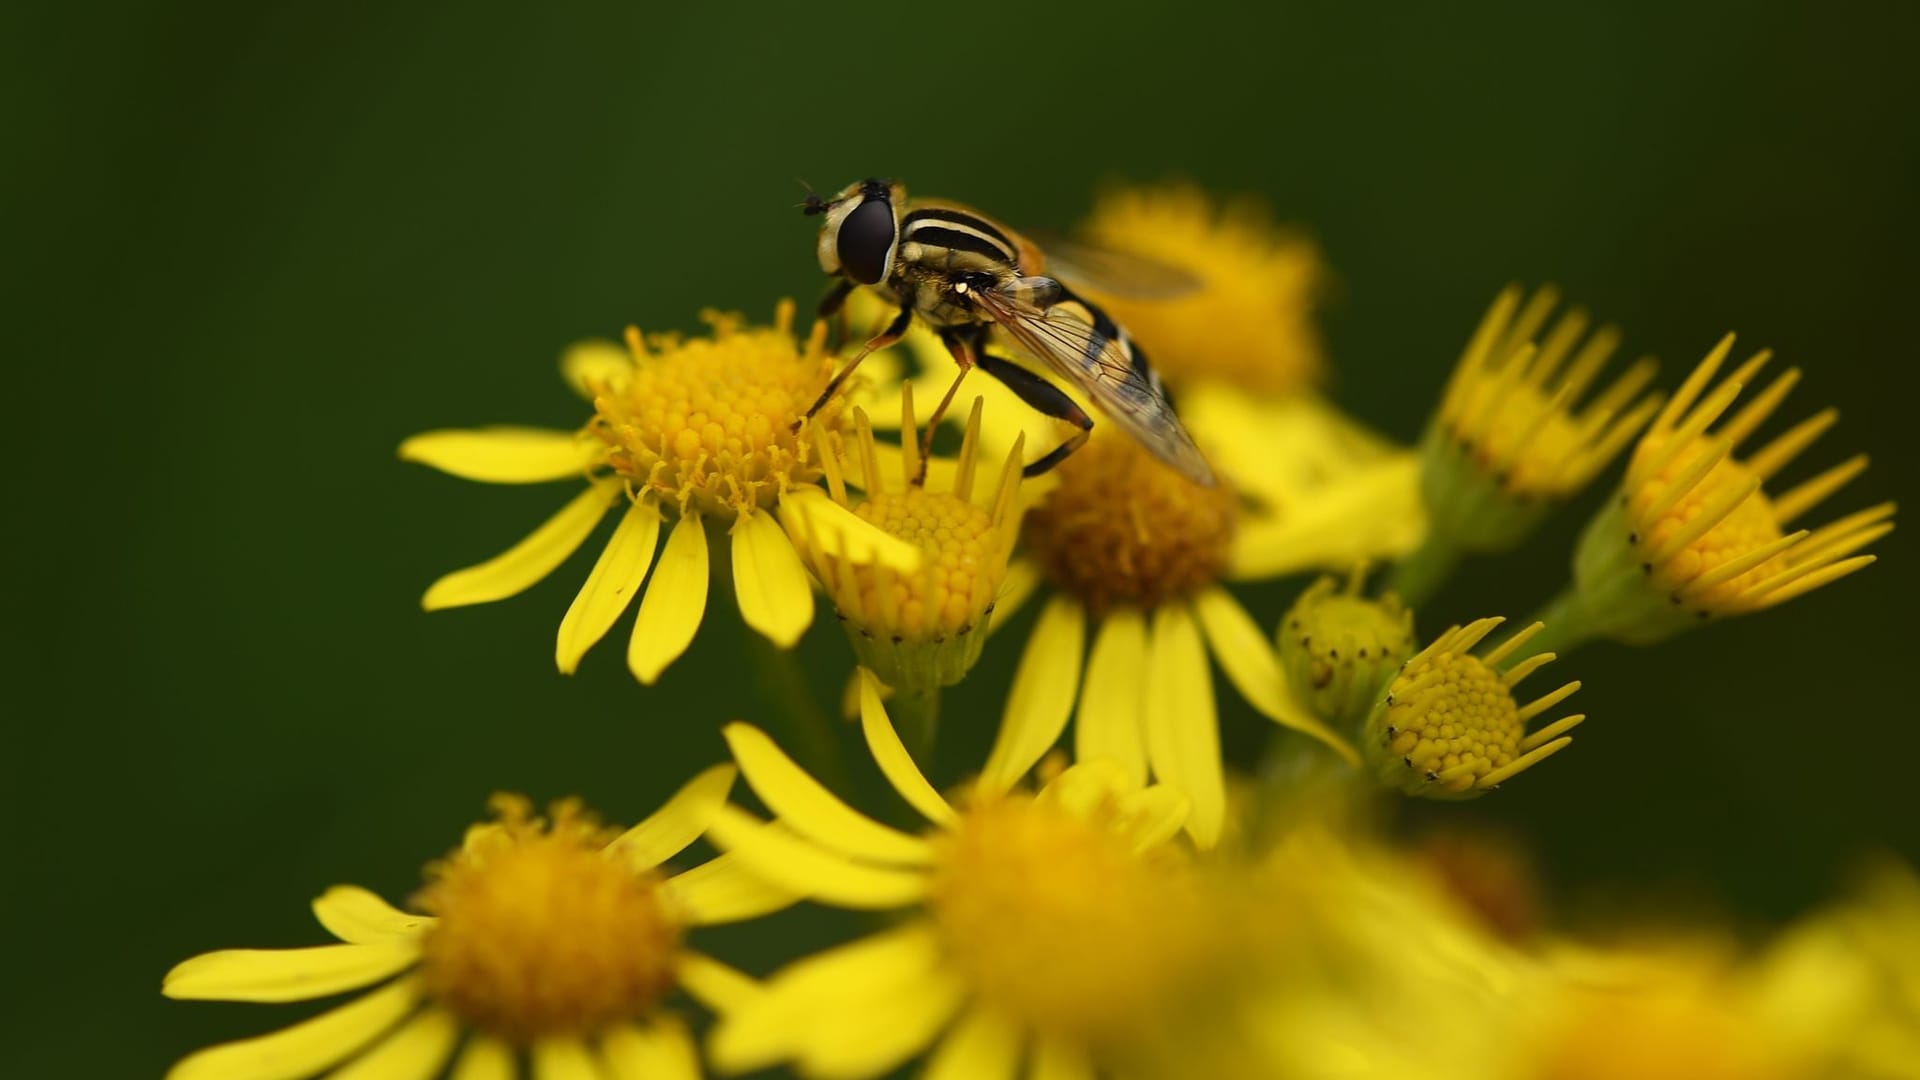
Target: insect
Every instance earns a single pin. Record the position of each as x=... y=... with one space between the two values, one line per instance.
x=964 y=274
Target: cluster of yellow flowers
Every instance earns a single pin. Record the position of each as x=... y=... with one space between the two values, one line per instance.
x=1126 y=902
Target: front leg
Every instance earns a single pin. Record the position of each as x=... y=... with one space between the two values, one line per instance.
x=1045 y=398
x=884 y=338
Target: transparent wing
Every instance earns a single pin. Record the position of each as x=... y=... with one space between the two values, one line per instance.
x=1116 y=273
x=1066 y=340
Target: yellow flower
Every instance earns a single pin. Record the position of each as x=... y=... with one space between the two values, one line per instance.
x=561 y=938
x=1339 y=648
x=1511 y=438
x=697 y=430
x=1065 y=919
x=1695 y=534
x=1449 y=726
x=1136 y=555
x=922 y=627
x=1250 y=321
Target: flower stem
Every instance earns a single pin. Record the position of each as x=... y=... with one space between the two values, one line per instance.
x=1569 y=625
x=916 y=715
x=809 y=731
x=1418 y=576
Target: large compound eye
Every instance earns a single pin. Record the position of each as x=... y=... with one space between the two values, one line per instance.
x=866 y=240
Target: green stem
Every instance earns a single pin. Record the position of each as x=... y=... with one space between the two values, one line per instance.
x=1569 y=625
x=1418 y=576
x=810 y=733
x=916 y=716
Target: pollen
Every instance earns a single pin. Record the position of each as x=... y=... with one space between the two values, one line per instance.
x=919 y=625
x=709 y=422
x=540 y=932
x=1121 y=529
x=1055 y=920
x=1247 y=315
x=1449 y=726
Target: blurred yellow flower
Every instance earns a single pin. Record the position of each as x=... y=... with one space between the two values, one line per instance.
x=1694 y=533
x=695 y=430
x=1249 y=319
x=558 y=938
x=1060 y=920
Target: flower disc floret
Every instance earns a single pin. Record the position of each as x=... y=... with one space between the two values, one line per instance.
x=710 y=422
x=1122 y=529
x=539 y=932
x=1449 y=726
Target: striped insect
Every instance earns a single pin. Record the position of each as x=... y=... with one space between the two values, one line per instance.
x=964 y=274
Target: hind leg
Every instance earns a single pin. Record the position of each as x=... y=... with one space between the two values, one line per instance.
x=1045 y=398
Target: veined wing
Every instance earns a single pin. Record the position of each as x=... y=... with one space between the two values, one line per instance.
x=1103 y=364
x=1114 y=272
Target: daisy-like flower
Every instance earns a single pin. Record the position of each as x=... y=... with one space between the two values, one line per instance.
x=1063 y=921
x=1512 y=439
x=1136 y=556
x=696 y=431
x=923 y=628
x=558 y=940
x=1449 y=726
x=1695 y=534
x=1248 y=319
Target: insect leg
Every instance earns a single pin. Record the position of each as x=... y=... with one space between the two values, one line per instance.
x=1046 y=398
x=884 y=338
x=962 y=352
x=834 y=306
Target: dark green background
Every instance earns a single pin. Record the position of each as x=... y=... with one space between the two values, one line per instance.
x=250 y=249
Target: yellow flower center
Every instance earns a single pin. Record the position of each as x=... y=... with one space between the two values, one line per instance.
x=540 y=932
x=1251 y=320
x=1053 y=918
x=1123 y=529
x=1451 y=718
x=708 y=422
x=1659 y=517
x=962 y=570
x=1523 y=439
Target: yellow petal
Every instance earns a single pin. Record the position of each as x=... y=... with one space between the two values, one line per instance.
x=808 y=808
x=789 y=862
x=612 y=585
x=1055 y=1059
x=286 y=974
x=305 y=1048
x=659 y=1051
x=1111 y=723
x=1023 y=577
x=503 y=455
x=775 y=1028
x=838 y=532
x=1374 y=512
x=713 y=984
x=413 y=1052
x=357 y=916
x=675 y=600
x=1255 y=671
x=591 y=367
x=563 y=1058
x=980 y=1047
x=1152 y=816
x=892 y=757
x=1042 y=694
x=485 y=1058
x=526 y=562
x=723 y=890
x=877 y=1031
x=1183 y=740
x=679 y=821
x=775 y=596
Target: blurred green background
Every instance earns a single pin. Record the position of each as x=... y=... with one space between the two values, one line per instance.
x=251 y=248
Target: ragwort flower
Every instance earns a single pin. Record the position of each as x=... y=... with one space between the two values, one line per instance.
x=1694 y=533
x=696 y=431
x=1063 y=920
x=556 y=938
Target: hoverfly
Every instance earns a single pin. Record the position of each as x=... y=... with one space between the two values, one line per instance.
x=964 y=274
